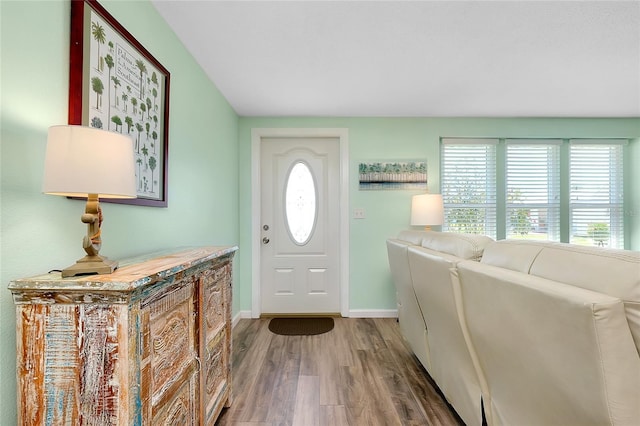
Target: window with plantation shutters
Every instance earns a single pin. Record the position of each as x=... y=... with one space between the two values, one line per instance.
x=538 y=189
x=469 y=185
x=532 y=170
x=596 y=193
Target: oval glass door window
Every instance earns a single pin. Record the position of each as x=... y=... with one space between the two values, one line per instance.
x=300 y=203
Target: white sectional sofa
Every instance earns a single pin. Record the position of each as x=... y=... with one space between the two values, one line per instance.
x=544 y=333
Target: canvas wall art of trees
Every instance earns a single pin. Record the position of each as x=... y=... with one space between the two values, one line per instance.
x=393 y=175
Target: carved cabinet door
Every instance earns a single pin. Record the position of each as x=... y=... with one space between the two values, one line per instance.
x=215 y=340
x=169 y=367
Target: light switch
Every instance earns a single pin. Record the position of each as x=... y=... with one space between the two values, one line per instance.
x=358 y=213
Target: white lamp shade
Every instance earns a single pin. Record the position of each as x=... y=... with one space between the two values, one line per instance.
x=82 y=160
x=427 y=209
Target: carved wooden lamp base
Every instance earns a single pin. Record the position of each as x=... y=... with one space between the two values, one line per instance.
x=91 y=265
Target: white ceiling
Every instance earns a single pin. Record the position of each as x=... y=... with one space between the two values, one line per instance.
x=417 y=58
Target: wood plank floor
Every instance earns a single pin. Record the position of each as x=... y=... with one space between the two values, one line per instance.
x=360 y=373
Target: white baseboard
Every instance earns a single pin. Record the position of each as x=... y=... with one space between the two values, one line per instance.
x=373 y=313
x=240 y=315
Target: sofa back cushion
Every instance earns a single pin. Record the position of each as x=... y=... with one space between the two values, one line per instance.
x=607 y=271
x=412 y=237
x=464 y=246
x=537 y=368
x=515 y=255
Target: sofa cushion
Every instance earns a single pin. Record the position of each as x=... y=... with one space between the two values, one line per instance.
x=465 y=246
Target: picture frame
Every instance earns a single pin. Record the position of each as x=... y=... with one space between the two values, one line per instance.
x=392 y=175
x=106 y=59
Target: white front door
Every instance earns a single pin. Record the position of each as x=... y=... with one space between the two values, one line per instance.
x=300 y=225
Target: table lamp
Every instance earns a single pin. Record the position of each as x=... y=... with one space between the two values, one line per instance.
x=427 y=210
x=87 y=162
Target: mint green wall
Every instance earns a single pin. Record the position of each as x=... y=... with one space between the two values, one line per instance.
x=387 y=212
x=41 y=232
x=207 y=202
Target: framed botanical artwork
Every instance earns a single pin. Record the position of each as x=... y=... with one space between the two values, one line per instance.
x=408 y=175
x=115 y=84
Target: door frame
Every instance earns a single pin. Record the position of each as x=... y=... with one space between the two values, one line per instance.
x=257 y=134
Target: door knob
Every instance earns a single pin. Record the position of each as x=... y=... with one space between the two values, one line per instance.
x=265 y=240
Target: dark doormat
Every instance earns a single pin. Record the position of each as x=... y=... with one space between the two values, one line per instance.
x=307 y=326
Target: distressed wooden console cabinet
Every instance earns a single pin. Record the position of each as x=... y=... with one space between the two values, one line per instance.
x=149 y=344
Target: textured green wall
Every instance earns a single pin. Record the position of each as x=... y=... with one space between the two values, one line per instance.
x=387 y=212
x=41 y=232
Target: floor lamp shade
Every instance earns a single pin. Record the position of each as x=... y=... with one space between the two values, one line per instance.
x=83 y=160
x=427 y=209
